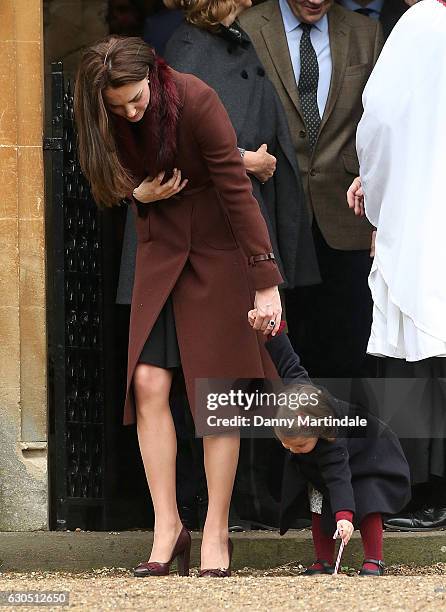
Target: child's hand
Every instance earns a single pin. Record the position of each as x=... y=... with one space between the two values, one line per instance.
x=345 y=530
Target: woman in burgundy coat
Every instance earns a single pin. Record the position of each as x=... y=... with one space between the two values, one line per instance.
x=164 y=140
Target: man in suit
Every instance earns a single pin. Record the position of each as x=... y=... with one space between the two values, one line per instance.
x=319 y=57
x=386 y=11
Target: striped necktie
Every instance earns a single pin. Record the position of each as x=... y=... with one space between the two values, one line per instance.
x=308 y=83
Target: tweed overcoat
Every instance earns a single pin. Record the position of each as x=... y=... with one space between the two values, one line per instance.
x=363 y=470
x=207 y=247
x=328 y=169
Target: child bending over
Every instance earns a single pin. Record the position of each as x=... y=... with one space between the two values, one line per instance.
x=358 y=473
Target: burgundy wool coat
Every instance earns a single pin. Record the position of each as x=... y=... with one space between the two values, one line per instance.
x=206 y=246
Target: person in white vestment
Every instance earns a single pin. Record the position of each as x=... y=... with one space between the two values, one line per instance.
x=401 y=145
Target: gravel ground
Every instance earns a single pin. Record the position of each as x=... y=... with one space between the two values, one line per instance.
x=404 y=588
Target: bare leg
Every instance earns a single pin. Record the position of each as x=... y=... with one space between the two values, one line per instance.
x=220 y=462
x=158 y=445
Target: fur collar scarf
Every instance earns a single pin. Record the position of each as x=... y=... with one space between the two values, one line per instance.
x=149 y=146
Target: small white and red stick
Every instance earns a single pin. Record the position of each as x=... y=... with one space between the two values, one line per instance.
x=340 y=551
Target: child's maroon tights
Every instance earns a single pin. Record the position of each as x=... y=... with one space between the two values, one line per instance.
x=371 y=534
x=324 y=545
x=371 y=529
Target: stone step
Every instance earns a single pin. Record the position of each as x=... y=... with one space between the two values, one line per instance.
x=81 y=551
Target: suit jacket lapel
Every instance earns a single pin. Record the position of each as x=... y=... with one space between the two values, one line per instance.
x=339 y=33
x=276 y=42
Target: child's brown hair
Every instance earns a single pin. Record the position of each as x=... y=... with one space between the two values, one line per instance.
x=321 y=408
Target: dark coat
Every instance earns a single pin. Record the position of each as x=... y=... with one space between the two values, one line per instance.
x=200 y=247
x=158 y=28
x=363 y=470
x=391 y=12
x=257 y=115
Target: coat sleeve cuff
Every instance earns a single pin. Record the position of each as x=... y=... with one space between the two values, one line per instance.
x=344 y=515
x=265 y=274
x=140 y=208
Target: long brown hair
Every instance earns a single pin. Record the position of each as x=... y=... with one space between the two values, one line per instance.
x=205 y=14
x=114 y=62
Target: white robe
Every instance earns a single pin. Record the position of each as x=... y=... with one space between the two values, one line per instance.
x=401 y=143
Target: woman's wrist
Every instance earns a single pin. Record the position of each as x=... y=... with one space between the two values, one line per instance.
x=139 y=199
x=266 y=290
x=136 y=199
x=249 y=161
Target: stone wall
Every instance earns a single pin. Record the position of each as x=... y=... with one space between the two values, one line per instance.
x=23 y=356
x=69 y=25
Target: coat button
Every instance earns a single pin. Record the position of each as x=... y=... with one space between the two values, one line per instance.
x=313 y=172
x=303 y=134
x=230 y=49
x=260 y=71
x=244 y=74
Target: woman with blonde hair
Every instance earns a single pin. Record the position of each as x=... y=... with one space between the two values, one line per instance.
x=164 y=141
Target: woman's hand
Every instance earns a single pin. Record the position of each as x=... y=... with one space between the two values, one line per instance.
x=252 y=316
x=268 y=311
x=260 y=163
x=355 y=197
x=151 y=190
x=345 y=530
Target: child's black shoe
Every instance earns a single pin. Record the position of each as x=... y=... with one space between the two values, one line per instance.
x=379 y=571
x=314 y=570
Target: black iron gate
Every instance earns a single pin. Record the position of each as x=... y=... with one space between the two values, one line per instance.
x=76 y=327
x=89 y=449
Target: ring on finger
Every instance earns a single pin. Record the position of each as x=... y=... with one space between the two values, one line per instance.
x=271 y=323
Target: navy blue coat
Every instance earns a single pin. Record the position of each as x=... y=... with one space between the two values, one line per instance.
x=363 y=470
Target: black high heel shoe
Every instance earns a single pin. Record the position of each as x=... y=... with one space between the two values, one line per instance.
x=219 y=572
x=181 y=552
x=369 y=572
